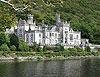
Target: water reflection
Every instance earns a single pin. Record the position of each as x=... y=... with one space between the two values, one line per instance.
x=63 y=68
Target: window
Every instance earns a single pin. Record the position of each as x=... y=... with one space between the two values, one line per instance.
x=52 y=34
x=40 y=35
x=71 y=36
x=31 y=37
x=20 y=35
x=55 y=35
x=65 y=41
x=66 y=32
x=20 y=30
x=27 y=38
x=77 y=36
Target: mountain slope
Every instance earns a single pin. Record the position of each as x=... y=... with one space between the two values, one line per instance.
x=84 y=15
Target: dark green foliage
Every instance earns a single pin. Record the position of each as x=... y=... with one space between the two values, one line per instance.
x=3 y=38
x=44 y=48
x=35 y=46
x=7 y=16
x=78 y=49
x=23 y=46
x=13 y=48
x=51 y=48
x=4 y=47
x=83 y=14
x=62 y=48
x=14 y=40
x=88 y=49
x=39 y=48
x=72 y=49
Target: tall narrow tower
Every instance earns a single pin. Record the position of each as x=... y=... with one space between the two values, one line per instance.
x=30 y=19
x=57 y=19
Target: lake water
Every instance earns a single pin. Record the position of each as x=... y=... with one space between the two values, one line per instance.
x=61 y=68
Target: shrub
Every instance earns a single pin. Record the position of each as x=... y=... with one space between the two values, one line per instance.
x=39 y=49
x=23 y=46
x=44 y=48
x=88 y=49
x=78 y=49
x=35 y=46
x=4 y=47
x=55 y=49
x=62 y=48
x=13 y=48
x=72 y=49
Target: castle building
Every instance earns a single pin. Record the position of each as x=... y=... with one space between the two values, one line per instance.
x=53 y=35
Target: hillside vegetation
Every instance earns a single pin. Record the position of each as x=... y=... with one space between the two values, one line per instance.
x=84 y=15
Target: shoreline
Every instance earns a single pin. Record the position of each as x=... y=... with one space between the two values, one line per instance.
x=39 y=58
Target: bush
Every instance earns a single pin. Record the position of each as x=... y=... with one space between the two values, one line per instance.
x=23 y=46
x=72 y=49
x=78 y=49
x=13 y=48
x=62 y=48
x=44 y=48
x=35 y=46
x=4 y=47
x=88 y=49
x=55 y=49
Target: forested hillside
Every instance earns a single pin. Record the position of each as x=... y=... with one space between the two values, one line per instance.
x=84 y=15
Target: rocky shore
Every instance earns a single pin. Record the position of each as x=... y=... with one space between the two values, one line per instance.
x=36 y=58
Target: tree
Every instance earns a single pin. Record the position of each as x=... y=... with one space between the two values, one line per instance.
x=7 y=16
x=3 y=38
x=14 y=40
x=88 y=49
x=23 y=46
x=13 y=48
x=4 y=47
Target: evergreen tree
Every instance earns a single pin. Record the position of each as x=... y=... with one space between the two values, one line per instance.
x=14 y=40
